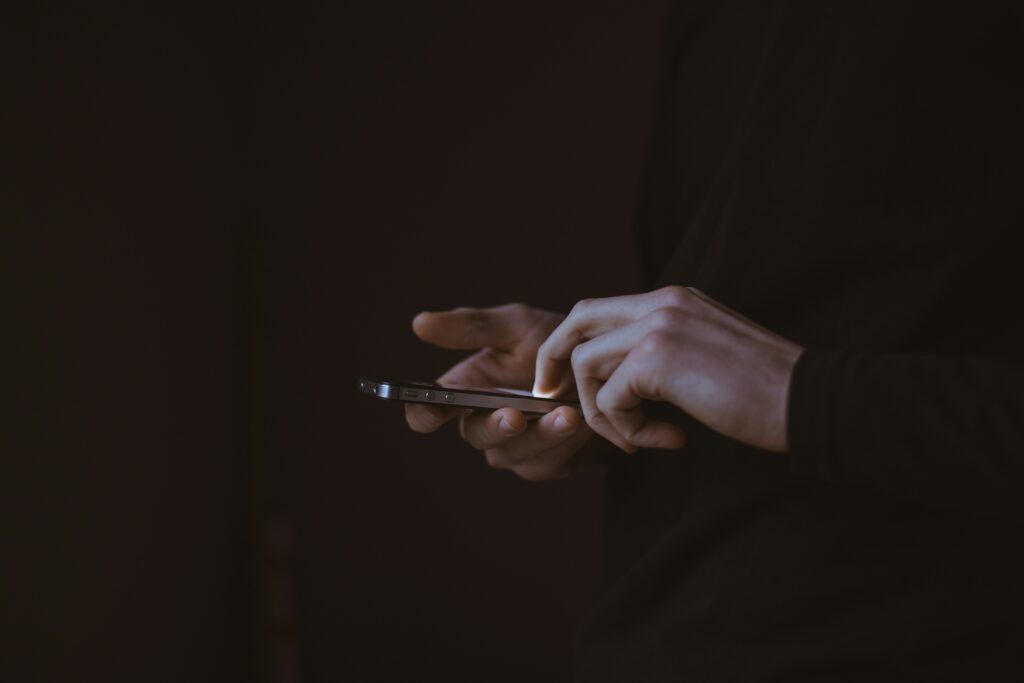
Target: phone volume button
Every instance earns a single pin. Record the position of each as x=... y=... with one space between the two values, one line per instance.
x=449 y=398
x=428 y=395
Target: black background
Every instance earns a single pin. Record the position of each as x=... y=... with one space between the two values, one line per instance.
x=213 y=218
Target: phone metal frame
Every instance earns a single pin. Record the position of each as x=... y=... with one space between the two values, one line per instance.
x=433 y=394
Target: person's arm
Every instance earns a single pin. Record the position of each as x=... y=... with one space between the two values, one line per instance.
x=936 y=430
x=939 y=430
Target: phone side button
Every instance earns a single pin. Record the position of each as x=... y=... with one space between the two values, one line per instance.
x=409 y=393
x=428 y=395
x=449 y=398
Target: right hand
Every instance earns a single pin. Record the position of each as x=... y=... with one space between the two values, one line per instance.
x=506 y=339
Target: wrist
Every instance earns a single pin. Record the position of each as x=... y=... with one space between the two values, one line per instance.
x=777 y=439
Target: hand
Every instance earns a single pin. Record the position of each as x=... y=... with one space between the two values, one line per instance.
x=676 y=345
x=507 y=338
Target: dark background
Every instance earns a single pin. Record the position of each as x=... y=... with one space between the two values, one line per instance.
x=213 y=218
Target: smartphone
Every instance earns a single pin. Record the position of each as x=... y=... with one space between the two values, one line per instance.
x=459 y=396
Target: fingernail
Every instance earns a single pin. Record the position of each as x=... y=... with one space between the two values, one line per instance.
x=506 y=428
x=540 y=392
x=563 y=426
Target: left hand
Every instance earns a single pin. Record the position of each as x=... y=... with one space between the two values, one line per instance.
x=676 y=345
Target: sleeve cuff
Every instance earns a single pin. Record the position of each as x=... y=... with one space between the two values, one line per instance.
x=810 y=413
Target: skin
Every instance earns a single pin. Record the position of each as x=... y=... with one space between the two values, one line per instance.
x=505 y=340
x=674 y=344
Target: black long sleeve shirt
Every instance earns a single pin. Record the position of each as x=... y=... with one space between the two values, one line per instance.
x=851 y=176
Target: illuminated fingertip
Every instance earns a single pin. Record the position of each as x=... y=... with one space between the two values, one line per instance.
x=541 y=393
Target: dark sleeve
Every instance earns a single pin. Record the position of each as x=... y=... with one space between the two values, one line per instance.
x=936 y=430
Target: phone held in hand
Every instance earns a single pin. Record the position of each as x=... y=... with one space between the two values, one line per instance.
x=460 y=396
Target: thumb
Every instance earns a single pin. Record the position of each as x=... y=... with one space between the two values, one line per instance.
x=470 y=328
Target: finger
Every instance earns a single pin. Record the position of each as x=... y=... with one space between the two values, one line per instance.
x=588 y=319
x=588 y=388
x=619 y=403
x=559 y=382
x=426 y=419
x=485 y=429
x=590 y=367
x=558 y=428
x=595 y=361
x=599 y=357
x=471 y=328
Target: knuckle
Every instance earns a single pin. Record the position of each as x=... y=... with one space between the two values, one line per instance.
x=517 y=309
x=656 y=343
x=578 y=357
x=676 y=296
x=483 y=357
x=667 y=317
x=581 y=306
x=629 y=433
x=472 y=317
x=596 y=421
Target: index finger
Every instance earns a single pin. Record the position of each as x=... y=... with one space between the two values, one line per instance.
x=471 y=328
x=588 y=319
